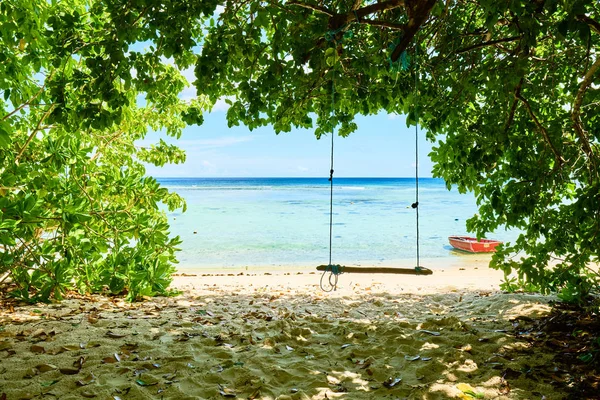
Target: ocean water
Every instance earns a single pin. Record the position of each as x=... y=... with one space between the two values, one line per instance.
x=238 y=222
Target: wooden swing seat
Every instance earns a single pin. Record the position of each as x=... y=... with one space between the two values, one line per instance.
x=380 y=270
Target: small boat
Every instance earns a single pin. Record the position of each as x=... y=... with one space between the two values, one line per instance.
x=472 y=245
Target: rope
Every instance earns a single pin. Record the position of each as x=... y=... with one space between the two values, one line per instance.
x=331 y=181
x=416 y=205
x=402 y=64
x=333 y=270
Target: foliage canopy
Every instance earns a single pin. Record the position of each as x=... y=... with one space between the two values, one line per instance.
x=507 y=89
x=76 y=210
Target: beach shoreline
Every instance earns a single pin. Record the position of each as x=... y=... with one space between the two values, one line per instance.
x=449 y=274
x=456 y=259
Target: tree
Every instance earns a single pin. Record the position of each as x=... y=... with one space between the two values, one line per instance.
x=76 y=210
x=508 y=90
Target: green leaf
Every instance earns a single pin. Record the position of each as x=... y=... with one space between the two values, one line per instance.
x=8 y=224
x=5 y=140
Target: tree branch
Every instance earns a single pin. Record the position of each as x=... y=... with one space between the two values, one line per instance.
x=33 y=133
x=383 y=24
x=106 y=144
x=488 y=43
x=418 y=16
x=513 y=108
x=576 y=113
x=140 y=16
x=475 y=33
x=594 y=25
x=31 y=99
x=91 y=201
x=338 y=20
x=543 y=131
x=313 y=7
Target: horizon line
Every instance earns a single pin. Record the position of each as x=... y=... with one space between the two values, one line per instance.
x=292 y=177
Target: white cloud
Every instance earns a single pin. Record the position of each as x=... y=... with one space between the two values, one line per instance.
x=188 y=94
x=302 y=169
x=189 y=74
x=221 y=105
x=204 y=167
x=393 y=116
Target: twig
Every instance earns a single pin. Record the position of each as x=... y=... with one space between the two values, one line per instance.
x=37 y=128
x=373 y=8
x=106 y=144
x=543 y=130
x=31 y=99
x=488 y=43
x=384 y=24
x=5 y=277
x=576 y=113
x=338 y=20
x=140 y=16
x=513 y=108
x=313 y=7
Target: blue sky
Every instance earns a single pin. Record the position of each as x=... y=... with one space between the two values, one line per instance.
x=381 y=147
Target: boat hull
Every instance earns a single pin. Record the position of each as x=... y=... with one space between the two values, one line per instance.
x=472 y=245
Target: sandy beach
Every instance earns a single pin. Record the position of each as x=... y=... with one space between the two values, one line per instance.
x=274 y=334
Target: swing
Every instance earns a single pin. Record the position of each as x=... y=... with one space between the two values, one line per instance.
x=335 y=269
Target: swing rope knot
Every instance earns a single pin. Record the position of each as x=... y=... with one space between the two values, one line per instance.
x=415 y=204
x=403 y=62
x=336 y=269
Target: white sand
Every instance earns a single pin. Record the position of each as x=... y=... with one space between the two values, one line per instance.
x=278 y=336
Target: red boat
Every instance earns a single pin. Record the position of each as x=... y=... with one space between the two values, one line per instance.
x=472 y=245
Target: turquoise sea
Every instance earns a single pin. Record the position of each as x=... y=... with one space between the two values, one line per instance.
x=238 y=222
